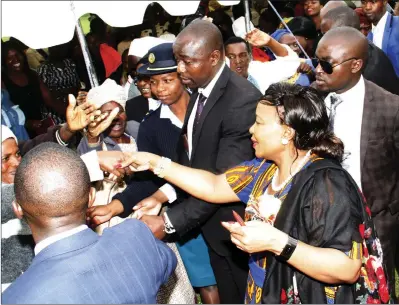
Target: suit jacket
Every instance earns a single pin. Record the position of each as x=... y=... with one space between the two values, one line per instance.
x=222 y=140
x=379 y=149
x=390 y=41
x=127 y=264
x=380 y=71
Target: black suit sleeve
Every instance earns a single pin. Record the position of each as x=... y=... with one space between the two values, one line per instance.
x=143 y=184
x=234 y=148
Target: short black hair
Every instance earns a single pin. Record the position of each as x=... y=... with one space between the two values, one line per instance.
x=343 y=16
x=234 y=40
x=13 y=45
x=52 y=181
x=302 y=26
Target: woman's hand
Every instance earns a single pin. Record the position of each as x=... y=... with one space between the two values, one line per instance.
x=140 y=161
x=149 y=206
x=258 y=38
x=257 y=236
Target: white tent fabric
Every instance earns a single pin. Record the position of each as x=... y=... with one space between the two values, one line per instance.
x=41 y=24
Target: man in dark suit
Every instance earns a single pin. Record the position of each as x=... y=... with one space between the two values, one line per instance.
x=215 y=136
x=378 y=68
x=366 y=118
x=72 y=263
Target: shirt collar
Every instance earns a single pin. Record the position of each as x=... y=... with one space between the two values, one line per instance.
x=208 y=89
x=381 y=24
x=153 y=104
x=353 y=94
x=166 y=113
x=54 y=238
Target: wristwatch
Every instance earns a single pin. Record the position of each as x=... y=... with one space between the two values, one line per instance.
x=289 y=248
x=169 y=229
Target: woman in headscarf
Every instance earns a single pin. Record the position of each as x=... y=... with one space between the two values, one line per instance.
x=17 y=243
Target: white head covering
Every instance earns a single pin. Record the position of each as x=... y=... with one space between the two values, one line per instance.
x=107 y=92
x=7 y=133
x=140 y=46
x=239 y=27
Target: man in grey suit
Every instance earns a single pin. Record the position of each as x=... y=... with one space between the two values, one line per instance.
x=366 y=118
x=74 y=265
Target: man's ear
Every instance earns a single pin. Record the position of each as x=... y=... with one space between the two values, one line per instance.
x=357 y=65
x=92 y=196
x=17 y=210
x=215 y=57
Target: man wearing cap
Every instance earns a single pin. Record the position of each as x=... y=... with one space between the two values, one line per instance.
x=215 y=136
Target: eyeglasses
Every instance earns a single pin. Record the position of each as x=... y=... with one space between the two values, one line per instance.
x=326 y=66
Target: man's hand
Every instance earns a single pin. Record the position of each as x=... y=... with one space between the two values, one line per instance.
x=78 y=117
x=258 y=38
x=156 y=225
x=100 y=214
x=101 y=123
x=148 y=206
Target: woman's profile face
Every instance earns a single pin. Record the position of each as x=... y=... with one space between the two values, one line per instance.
x=10 y=159
x=267 y=132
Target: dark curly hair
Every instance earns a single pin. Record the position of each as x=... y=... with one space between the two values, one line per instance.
x=303 y=109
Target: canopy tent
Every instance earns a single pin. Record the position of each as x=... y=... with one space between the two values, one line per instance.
x=42 y=24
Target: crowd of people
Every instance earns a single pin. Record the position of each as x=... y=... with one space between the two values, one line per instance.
x=211 y=165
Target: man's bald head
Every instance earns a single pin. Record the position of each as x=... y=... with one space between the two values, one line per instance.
x=52 y=182
x=330 y=5
x=204 y=33
x=340 y=16
x=345 y=49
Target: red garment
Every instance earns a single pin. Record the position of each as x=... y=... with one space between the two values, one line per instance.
x=259 y=55
x=111 y=59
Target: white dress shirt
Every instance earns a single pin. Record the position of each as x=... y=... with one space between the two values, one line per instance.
x=378 y=31
x=169 y=191
x=153 y=104
x=348 y=126
x=54 y=238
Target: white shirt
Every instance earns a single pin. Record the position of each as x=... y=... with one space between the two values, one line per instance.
x=348 y=126
x=378 y=31
x=153 y=104
x=52 y=239
x=167 y=189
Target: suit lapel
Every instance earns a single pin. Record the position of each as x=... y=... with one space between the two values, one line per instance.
x=387 y=33
x=216 y=93
x=368 y=116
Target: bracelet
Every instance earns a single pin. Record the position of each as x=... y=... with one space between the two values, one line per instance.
x=162 y=165
x=58 y=138
x=289 y=248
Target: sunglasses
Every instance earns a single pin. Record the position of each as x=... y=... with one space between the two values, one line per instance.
x=326 y=66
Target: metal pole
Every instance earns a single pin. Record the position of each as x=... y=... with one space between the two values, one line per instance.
x=247 y=17
x=288 y=29
x=85 y=50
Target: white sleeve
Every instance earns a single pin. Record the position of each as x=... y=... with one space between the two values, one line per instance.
x=169 y=192
x=93 y=166
x=270 y=72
